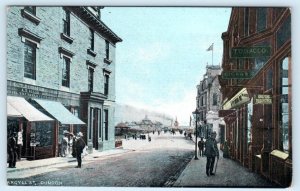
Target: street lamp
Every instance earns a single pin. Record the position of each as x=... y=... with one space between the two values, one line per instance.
x=195 y=114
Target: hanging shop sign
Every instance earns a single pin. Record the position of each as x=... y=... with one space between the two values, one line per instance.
x=236 y=75
x=262 y=99
x=32 y=139
x=250 y=52
x=20 y=138
x=240 y=98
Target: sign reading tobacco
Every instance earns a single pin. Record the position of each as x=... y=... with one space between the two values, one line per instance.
x=250 y=52
x=236 y=75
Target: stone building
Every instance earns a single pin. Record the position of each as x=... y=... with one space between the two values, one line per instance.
x=61 y=60
x=208 y=101
x=256 y=87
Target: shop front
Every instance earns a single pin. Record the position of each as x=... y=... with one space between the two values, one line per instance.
x=237 y=134
x=65 y=120
x=35 y=129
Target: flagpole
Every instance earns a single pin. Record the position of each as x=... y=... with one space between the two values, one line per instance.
x=212 y=55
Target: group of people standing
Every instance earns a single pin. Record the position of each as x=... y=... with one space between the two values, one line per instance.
x=75 y=145
x=210 y=149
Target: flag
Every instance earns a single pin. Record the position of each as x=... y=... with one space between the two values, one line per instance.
x=211 y=47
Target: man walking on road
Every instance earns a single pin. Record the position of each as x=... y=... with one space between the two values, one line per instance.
x=79 y=144
x=211 y=152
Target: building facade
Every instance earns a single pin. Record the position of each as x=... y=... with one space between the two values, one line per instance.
x=62 y=57
x=256 y=90
x=208 y=102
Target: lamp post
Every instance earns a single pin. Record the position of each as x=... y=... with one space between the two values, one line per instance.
x=195 y=114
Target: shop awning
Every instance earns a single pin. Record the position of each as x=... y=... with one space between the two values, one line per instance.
x=240 y=98
x=12 y=112
x=26 y=109
x=59 y=112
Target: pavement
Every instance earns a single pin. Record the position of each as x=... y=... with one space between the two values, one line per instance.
x=229 y=172
x=24 y=164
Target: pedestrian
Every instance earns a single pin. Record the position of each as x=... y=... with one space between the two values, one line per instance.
x=226 y=150
x=79 y=144
x=74 y=147
x=211 y=152
x=184 y=134
x=12 y=150
x=201 y=147
x=64 y=144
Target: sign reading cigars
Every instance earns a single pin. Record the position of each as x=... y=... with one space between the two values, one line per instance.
x=250 y=52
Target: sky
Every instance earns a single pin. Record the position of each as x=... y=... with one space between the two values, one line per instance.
x=163 y=54
x=117 y=21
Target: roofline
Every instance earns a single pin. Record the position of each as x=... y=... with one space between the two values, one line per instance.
x=96 y=23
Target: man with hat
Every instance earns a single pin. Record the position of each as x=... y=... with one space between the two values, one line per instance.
x=79 y=145
x=12 y=150
x=211 y=152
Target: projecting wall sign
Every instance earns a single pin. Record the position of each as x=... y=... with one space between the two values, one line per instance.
x=250 y=52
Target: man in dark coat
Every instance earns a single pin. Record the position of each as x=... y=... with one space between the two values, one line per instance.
x=211 y=152
x=201 y=147
x=79 y=144
x=12 y=150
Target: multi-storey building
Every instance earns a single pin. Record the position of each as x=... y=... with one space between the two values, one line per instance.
x=208 y=102
x=256 y=87
x=61 y=60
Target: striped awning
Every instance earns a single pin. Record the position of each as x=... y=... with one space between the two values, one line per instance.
x=59 y=112
x=12 y=112
x=23 y=107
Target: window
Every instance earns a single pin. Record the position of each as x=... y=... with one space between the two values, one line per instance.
x=284 y=33
x=30 y=9
x=99 y=117
x=44 y=133
x=261 y=19
x=66 y=23
x=106 y=123
x=76 y=128
x=259 y=62
x=29 y=60
x=249 y=120
x=91 y=122
x=246 y=22
x=284 y=105
x=240 y=64
x=66 y=72
x=92 y=39
x=106 y=84
x=215 y=99
x=90 y=79
x=269 y=78
x=29 y=12
x=277 y=12
x=107 y=50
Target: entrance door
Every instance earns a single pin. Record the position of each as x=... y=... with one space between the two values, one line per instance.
x=95 y=128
